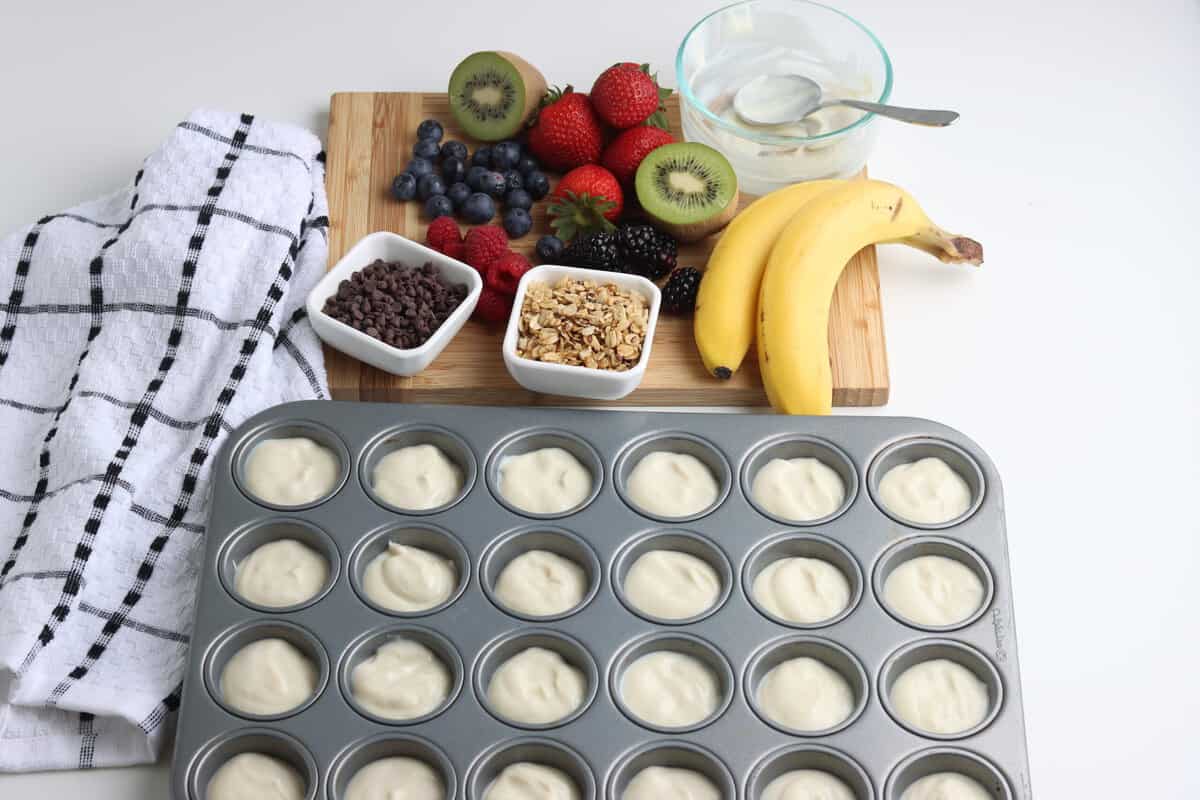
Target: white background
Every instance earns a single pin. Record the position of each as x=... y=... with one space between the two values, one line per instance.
x=1071 y=357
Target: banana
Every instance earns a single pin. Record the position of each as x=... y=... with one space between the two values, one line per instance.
x=728 y=297
x=803 y=268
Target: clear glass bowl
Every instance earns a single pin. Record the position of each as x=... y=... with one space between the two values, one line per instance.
x=735 y=44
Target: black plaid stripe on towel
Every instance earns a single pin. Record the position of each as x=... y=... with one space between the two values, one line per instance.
x=135 y=332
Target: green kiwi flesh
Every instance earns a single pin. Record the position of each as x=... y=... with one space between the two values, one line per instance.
x=492 y=93
x=688 y=188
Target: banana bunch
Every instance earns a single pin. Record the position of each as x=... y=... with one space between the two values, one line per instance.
x=772 y=274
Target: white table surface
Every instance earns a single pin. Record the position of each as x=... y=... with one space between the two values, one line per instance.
x=1071 y=357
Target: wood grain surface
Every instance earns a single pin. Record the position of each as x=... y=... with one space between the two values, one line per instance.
x=370 y=139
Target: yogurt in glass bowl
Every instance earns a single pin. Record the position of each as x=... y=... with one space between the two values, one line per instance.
x=732 y=46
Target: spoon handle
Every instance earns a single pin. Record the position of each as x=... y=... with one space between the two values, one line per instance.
x=917 y=116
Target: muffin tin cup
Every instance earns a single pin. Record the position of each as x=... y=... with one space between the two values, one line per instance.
x=809 y=756
x=509 y=645
x=908 y=549
x=285 y=429
x=244 y=542
x=536 y=439
x=791 y=447
x=829 y=653
x=673 y=442
x=263 y=740
x=947 y=759
x=451 y=445
x=559 y=541
x=923 y=650
x=803 y=545
x=234 y=639
x=677 y=754
x=545 y=752
x=388 y=745
x=420 y=534
x=366 y=645
x=685 y=644
x=907 y=451
x=687 y=542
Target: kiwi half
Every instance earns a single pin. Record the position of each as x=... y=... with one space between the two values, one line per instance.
x=689 y=189
x=492 y=93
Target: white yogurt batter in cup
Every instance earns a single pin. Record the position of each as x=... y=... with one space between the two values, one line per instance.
x=940 y=696
x=540 y=583
x=254 y=776
x=408 y=579
x=536 y=687
x=525 y=780
x=927 y=492
x=402 y=680
x=933 y=590
x=396 y=777
x=671 y=783
x=292 y=471
x=672 y=485
x=946 y=786
x=670 y=689
x=417 y=478
x=546 y=481
x=802 y=590
x=805 y=694
x=269 y=676
x=807 y=784
x=281 y=573
x=798 y=489
x=671 y=585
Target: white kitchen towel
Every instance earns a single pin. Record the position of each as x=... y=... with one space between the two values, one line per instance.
x=136 y=331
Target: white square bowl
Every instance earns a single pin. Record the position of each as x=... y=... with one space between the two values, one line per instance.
x=595 y=384
x=391 y=247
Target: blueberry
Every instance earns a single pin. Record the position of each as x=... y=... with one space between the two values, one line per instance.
x=505 y=155
x=438 y=205
x=513 y=180
x=549 y=248
x=493 y=183
x=482 y=157
x=517 y=222
x=458 y=194
x=430 y=185
x=537 y=184
x=518 y=198
x=526 y=165
x=426 y=148
x=474 y=177
x=420 y=167
x=479 y=208
x=453 y=170
x=404 y=186
x=430 y=129
x=454 y=149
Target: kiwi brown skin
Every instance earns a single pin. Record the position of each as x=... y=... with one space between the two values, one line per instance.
x=533 y=89
x=693 y=230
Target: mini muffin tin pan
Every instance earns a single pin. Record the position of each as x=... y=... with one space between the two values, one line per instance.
x=602 y=747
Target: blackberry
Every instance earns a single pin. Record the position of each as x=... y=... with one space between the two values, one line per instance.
x=679 y=294
x=593 y=251
x=647 y=251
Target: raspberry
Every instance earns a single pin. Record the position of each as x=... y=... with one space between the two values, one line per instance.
x=493 y=306
x=504 y=273
x=442 y=231
x=484 y=244
x=456 y=250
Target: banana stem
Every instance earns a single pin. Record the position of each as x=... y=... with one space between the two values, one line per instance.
x=946 y=247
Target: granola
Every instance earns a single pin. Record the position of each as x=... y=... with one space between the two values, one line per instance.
x=583 y=324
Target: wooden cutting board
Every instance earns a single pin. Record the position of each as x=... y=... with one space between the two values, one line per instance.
x=370 y=139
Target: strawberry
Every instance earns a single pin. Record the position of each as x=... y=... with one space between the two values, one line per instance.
x=625 y=153
x=441 y=232
x=626 y=94
x=586 y=200
x=456 y=250
x=485 y=243
x=493 y=306
x=566 y=133
x=505 y=271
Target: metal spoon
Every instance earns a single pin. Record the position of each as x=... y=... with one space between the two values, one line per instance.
x=776 y=99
